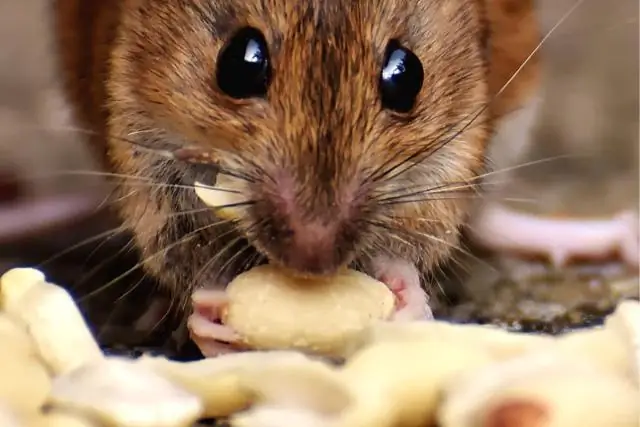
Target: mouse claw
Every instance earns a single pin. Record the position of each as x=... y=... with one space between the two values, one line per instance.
x=412 y=302
x=212 y=338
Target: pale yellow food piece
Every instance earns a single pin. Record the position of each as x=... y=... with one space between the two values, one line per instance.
x=8 y=417
x=400 y=383
x=227 y=191
x=122 y=393
x=51 y=317
x=603 y=347
x=15 y=282
x=14 y=337
x=24 y=381
x=272 y=310
x=313 y=385
x=57 y=418
x=497 y=342
x=218 y=381
x=283 y=416
x=625 y=322
x=541 y=390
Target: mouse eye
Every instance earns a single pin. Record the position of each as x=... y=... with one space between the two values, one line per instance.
x=244 y=69
x=400 y=79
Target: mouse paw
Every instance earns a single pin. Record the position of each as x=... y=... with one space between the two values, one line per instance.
x=211 y=337
x=412 y=302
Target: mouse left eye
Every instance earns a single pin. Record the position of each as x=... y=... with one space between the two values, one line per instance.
x=244 y=68
x=401 y=78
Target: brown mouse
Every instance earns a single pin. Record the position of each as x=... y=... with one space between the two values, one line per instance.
x=353 y=126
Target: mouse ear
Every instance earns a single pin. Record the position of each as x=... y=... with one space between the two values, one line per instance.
x=513 y=37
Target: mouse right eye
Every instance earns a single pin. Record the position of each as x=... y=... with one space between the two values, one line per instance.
x=244 y=67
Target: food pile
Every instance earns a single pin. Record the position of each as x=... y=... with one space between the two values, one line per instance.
x=407 y=374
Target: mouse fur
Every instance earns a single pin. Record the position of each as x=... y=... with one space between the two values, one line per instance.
x=141 y=72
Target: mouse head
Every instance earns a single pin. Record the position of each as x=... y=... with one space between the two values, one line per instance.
x=352 y=126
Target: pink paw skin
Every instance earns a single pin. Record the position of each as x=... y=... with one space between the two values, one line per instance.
x=561 y=240
x=214 y=339
x=404 y=281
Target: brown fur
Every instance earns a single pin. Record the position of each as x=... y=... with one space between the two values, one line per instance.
x=143 y=71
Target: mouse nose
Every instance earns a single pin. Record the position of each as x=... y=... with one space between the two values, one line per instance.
x=311 y=247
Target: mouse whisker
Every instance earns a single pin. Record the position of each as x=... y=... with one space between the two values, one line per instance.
x=106 y=235
x=423 y=238
x=417 y=157
x=188 y=236
x=219 y=254
x=470 y=183
x=129 y=246
x=424 y=153
x=78 y=172
x=140 y=181
x=178 y=153
x=456 y=197
x=456 y=248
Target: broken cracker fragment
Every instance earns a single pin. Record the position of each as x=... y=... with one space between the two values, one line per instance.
x=8 y=417
x=57 y=418
x=600 y=346
x=16 y=282
x=122 y=393
x=14 y=337
x=51 y=317
x=25 y=383
x=625 y=322
x=281 y=416
x=541 y=389
x=497 y=342
x=310 y=384
x=224 y=383
x=400 y=383
x=271 y=309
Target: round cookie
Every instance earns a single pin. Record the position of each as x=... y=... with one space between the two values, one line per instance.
x=271 y=309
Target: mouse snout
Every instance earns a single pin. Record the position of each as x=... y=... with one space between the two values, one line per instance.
x=311 y=246
x=311 y=232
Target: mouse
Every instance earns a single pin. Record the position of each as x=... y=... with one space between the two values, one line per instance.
x=355 y=131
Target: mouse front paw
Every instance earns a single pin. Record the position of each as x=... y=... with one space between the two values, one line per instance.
x=412 y=302
x=206 y=331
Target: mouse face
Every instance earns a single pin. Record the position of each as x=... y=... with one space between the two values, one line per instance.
x=351 y=128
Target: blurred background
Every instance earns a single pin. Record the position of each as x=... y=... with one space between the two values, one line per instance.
x=589 y=113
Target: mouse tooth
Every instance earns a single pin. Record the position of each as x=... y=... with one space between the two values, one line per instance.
x=123 y=393
x=224 y=193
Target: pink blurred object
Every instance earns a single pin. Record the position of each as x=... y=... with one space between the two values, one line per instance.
x=559 y=239
x=26 y=217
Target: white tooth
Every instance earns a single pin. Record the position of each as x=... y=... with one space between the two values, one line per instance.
x=222 y=194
